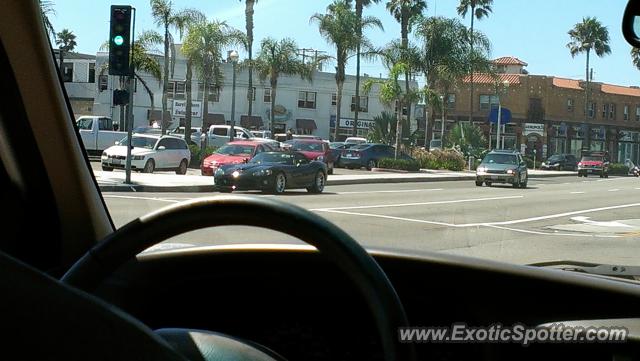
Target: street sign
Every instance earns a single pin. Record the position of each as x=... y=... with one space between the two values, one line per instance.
x=505 y=115
x=180 y=108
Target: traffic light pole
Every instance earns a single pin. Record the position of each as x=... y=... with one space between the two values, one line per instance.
x=130 y=105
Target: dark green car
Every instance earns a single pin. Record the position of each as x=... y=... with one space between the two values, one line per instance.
x=502 y=166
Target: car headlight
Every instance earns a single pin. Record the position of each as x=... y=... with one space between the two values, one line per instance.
x=262 y=172
x=556 y=164
x=219 y=172
x=320 y=158
x=138 y=157
x=510 y=171
x=235 y=174
x=481 y=169
x=105 y=155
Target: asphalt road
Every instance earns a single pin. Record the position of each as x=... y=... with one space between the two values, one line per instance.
x=563 y=218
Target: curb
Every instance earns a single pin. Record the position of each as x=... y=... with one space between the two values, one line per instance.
x=211 y=188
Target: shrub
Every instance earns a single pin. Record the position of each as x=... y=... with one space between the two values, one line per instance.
x=399 y=164
x=440 y=159
x=529 y=162
x=197 y=154
x=618 y=169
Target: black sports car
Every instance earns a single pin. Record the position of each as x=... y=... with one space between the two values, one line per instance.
x=273 y=172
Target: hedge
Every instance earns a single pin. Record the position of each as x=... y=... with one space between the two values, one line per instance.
x=618 y=169
x=197 y=154
x=399 y=164
x=440 y=159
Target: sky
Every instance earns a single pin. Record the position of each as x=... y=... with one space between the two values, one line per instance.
x=533 y=31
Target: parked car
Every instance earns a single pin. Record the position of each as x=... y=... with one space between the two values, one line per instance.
x=270 y=142
x=218 y=135
x=273 y=172
x=355 y=140
x=196 y=134
x=560 y=162
x=367 y=155
x=98 y=133
x=313 y=149
x=150 y=153
x=261 y=134
x=502 y=166
x=594 y=162
x=336 y=151
x=235 y=152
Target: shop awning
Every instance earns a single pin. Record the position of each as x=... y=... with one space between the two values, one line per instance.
x=251 y=121
x=157 y=114
x=306 y=124
x=212 y=119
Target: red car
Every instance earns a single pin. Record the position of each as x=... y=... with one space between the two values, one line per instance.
x=232 y=153
x=313 y=149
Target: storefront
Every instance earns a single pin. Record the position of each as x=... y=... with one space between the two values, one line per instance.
x=534 y=139
x=598 y=139
x=577 y=138
x=346 y=127
x=305 y=126
x=628 y=146
x=558 y=139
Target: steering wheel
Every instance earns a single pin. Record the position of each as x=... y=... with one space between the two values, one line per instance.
x=333 y=243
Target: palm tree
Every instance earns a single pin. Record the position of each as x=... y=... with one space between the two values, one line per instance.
x=406 y=12
x=144 y=58
x=635 y=57
x=280 y=58
x=585 y=36
x=360 y=5
x=383 y=129
x=469 y=137
x=391 y=93
x=66 y=41
x=248 y=17
x=46 y=9
x=479 y=9
x=338 y=27
x=203 y=46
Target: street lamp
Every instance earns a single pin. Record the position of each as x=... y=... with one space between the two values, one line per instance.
x=505 y=85
x=233 y=58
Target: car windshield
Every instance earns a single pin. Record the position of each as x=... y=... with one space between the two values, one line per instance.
x=500 y=159
x=518 y=90
x=139 y=142
x=306 y=146
x=272 y=157
x=236 y=149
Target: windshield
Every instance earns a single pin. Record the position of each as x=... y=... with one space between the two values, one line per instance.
x=236 y=149
x=306 y=146
x=139 y=142
x=272 y=157
x=553 y=105
x=500 y=159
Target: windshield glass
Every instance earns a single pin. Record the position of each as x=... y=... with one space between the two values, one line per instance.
x=272 y=157
x=236 y=149
x=554 y=105
x=500 y=159
x=139 y=142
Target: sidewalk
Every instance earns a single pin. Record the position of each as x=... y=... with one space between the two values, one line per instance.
x=141 y=182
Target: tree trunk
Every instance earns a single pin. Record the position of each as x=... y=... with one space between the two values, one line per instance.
x=61 y=54
x=359 y=7
x=471 y=66
x=339 y=86
x=407 y=75
x=250 y=93
x=274 y=85
x=586 y=89
x=249 y=28
x=205 y=102
x=398 y=128
x=165 y=78
x=187 y=117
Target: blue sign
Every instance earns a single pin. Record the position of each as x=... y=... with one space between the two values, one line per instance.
x=505 y=115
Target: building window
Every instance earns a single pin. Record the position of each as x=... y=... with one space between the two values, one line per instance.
x=451 y=101
x=605 y=110
x=637 y=112
x=180 y=89
x=570 y=105
x=267 y=95
x=307 y=100
x=592 y=110
x=612 y=111
x=625 y=113
x=92 y=72
x=334 y=99
x=103 y=82
x=171 y=87
x=67 y=72
x=214 y=93
x=364 y=104
x=487 y=101
x=395 y=109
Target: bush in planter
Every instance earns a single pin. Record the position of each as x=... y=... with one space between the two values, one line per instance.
x=529 y=162
x=440 y=159
x=399 y=164
x=197 y=154
x=618 y=169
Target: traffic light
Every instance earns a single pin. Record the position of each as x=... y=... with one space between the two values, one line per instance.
x=120 y=40
x=120 y=97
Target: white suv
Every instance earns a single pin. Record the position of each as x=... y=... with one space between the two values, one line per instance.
x=150 y=152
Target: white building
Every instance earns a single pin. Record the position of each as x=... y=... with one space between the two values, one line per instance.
x=79 y=76
x=306 y=107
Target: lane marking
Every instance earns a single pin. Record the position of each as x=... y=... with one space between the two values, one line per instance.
x=553 y=233
x=577 y=192
x=141 y=198
x=396 y=191
x=391 y=217
x=613 y=190
x=415 y=204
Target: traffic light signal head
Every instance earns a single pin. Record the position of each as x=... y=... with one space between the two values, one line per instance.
x=120 y=40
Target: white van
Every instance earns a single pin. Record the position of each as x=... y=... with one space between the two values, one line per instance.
x=218 y=135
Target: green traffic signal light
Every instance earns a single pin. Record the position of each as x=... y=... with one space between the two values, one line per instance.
x=118 y=40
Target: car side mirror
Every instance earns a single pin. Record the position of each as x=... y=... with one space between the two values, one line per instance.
x=630 y=21
x=162 y=147
x=117 y=143
x=246 y=160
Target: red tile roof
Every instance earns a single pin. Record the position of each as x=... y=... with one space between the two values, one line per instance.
x=620 y=90
x=509 y=60
x=483 y=78
x=567 y=83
